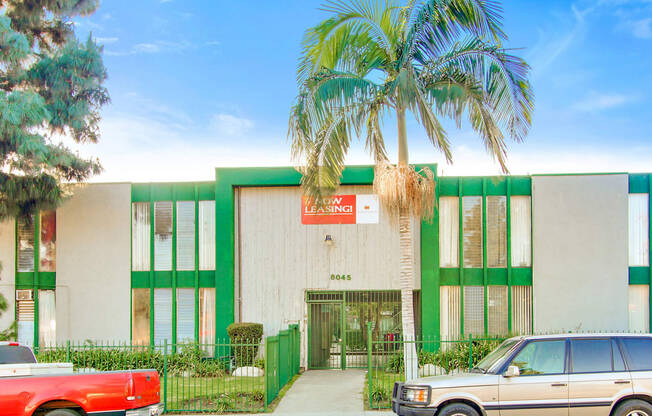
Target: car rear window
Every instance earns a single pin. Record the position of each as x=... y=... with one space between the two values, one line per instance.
x=591 y=355
x=16 y=354
x=639 y=352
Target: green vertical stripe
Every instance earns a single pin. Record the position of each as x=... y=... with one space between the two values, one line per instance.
x=196 y=263
x=509 y=254
x=37 y=254
x=430 y=289
x=151 y=267
x=484 y=253
x=460 y=256
x=649 y=263
x=174 y=270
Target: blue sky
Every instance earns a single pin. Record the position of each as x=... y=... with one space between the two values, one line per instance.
x=199 y=84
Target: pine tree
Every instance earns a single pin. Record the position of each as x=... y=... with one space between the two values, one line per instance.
x=51 y=87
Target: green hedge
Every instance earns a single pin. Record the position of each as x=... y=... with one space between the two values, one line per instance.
x=248 y=335
x=449 y=358
x=189 y=360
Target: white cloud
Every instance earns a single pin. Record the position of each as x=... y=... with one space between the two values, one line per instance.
x=159 y=46
x=596 y=102
x=230 y=126
x=105 y=41
x=641 y=28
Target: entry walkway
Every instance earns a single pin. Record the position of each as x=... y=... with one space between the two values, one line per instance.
x=326 y=392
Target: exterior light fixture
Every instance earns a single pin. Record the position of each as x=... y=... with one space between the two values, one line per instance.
x=329 y=240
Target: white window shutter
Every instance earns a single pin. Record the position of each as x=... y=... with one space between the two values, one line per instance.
x=140 y=236
x=206 y=235
x=449 y=231
x=185 y=235
x=639 y=308
x=521 y=231
x=472 y=227
x=185 y=315
x=162 y=316
x=163 y=235
x=639 y=246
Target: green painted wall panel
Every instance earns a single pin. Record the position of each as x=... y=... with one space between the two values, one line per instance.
x=449 y=186
x=638 y=183
x=206 y=278
x=185 y=279
x=140 y=280
x=496 y=185
x=521 y=276
x=473 y=277
x=449 y=276
x=24 y=279
x=430 y=325
x=140 y=192
x=496 y=276
x=162 y=279
x=521 y=185
x=472 y=186
x=639 y=275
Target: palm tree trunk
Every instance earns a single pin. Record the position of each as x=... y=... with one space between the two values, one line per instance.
x=406 y=265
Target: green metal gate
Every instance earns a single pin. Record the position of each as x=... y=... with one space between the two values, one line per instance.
x=337 y=329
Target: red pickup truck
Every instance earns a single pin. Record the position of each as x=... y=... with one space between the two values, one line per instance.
x=53 y=390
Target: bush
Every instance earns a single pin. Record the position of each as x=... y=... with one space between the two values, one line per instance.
x=188 y=359
x=249 y=335
x=450 y=357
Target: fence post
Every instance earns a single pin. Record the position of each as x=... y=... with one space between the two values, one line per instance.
x=68 y=351
x=369 y=365
x=165 y=376
x=266 y=374
x=470 y=352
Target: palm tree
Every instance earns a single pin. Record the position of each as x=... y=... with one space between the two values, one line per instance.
x=434 y=58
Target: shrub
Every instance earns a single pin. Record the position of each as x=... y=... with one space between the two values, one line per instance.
x=188 y=359
x=249 y=336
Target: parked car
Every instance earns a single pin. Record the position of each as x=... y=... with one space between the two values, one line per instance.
x=556 y=375
x=28 y=388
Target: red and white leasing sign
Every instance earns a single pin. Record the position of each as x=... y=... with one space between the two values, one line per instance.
x=341 y=209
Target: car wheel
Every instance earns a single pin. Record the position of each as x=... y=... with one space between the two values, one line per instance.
x=62 y=412
x=634 y=408
x=459 y=409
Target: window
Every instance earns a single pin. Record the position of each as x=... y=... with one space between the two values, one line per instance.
x=140 y=305
x=472 y=228
x=497 y=310
x=521 y=310
x=163 y=235
x=639 y=245
x=25 y=324
x=47 y=242
x=541 y=357
x=639 y=351
x=521 y=231
x=185 y=235
x=496 y=231
x=162 y=316
x=473 y=310
x=25 y=241
x=140 y=236
x=185 y=315
x=47 y=318
x=639 y=308
x=591 y=355
x=206 y=235
x=449 y=231
x=449 y=309
x=207 y=317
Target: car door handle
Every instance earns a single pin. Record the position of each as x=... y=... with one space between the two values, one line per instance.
x=622 y=382
x=558 y=384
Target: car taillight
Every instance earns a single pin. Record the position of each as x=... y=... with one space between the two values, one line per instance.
x=131 y=388
x=14 y=344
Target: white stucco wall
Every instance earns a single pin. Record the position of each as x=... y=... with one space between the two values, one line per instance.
x=580 y=252
x=93 y=264
x=7 y=274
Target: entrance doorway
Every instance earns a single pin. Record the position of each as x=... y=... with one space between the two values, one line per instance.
x=337 y=326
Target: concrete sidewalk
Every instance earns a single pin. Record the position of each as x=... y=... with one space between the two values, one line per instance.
x=326 y=392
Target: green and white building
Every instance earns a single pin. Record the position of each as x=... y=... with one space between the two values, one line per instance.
x=154 y=262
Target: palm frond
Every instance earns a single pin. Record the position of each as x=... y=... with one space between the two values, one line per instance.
x=503 y=78
x=404 y=189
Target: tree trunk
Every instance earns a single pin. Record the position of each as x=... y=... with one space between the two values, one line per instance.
x=406 y=261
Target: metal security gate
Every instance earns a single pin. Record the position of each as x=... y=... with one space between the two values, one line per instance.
x=337 y=330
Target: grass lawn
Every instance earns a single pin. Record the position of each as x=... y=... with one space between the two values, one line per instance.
x=216 y=394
